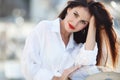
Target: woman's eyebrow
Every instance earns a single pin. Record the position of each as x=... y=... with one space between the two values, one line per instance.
x=86 y=21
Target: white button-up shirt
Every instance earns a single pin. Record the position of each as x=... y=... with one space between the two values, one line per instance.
x=45 y=54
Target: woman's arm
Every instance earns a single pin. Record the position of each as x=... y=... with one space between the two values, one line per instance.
x=88 y=52
x=66 y=73
x=90 y=40
x=31 y=61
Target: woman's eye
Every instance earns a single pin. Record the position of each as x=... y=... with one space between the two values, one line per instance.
x=75 y=14
x=83 y=22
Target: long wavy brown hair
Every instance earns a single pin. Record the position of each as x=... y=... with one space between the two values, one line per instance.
x=105 y=33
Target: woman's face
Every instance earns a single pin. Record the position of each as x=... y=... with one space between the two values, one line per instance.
x=76 y=19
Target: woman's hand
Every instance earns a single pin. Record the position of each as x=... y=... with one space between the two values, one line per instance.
x=66 y=73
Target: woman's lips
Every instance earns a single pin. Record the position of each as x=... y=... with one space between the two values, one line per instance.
x=71 y=26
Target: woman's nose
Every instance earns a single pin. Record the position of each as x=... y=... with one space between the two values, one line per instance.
x=75 y=22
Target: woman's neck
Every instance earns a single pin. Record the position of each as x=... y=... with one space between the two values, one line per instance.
x=62 y=29
x=64 y=34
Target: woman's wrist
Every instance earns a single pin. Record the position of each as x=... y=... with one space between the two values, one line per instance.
x=60 y=78
x=56 y=78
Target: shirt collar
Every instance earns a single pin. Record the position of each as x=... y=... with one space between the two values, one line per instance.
x=56 y=28
x=71 y=43
x=56 y=25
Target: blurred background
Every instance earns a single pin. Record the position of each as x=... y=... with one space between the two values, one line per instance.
x=18 y=17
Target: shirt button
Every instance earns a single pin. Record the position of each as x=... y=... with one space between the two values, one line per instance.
x=58 y=74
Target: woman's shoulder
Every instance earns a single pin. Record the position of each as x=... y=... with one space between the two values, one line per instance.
x=45 y=25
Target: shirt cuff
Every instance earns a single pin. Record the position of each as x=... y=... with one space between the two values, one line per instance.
x=43 y=74
x=95 y=50
x=86 y=57
x=58 y=74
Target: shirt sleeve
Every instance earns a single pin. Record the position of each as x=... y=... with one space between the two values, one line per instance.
x=86 y=57
x=31 y=62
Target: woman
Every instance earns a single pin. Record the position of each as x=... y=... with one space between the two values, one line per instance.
x=53 y=47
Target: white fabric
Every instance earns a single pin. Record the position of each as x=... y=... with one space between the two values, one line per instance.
x=86 y=57
x=84 y=72
x=45 y=54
